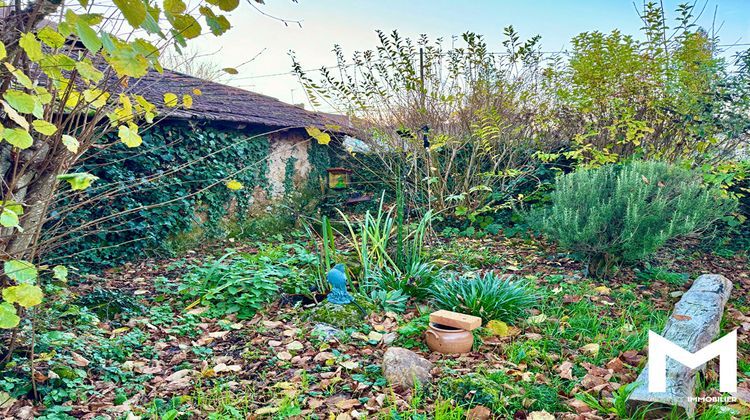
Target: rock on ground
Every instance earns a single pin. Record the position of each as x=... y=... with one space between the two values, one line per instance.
x=404 y=368
x=325 y=332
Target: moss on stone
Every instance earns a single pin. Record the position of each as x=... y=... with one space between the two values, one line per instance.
x=342 y=316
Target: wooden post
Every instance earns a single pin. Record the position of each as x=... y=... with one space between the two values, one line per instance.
x=692 y=326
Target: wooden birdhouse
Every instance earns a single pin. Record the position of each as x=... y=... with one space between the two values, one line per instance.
x=338 y=178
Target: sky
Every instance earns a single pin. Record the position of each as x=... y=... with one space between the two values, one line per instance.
x=352 y=24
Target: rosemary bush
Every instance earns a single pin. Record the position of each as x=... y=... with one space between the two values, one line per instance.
x=624 y=213
x=488 y=297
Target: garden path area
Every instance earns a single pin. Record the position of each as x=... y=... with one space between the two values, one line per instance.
x=153 y=354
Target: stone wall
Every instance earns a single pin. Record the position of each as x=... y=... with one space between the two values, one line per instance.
x=286 y=146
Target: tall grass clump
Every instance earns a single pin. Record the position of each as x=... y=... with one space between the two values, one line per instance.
x=488 y=297
x=624 y=213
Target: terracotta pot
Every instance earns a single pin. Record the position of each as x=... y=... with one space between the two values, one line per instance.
x=447 y=340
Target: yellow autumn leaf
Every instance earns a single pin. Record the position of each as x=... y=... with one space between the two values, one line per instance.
x=26 y=295
x=44 y=127
x=602 y=290
x=317 y=134
x=129 y=135
x=498 y=328
x=187 y=101
x=591 y=349
x=197 y=92
x=234 y=185
x=70 y=143
x=170 y=100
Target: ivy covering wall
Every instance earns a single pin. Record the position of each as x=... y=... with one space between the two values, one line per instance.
x=178 y=160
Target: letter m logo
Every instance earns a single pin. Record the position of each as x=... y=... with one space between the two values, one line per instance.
x=659 y=348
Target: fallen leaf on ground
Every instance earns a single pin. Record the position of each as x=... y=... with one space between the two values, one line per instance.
x=537 y=319
x=540 y=415
x=602 y=290
x=349 y=364
x=498 y=328
x=221 y=367
x=566 y=370
x=479 y=412
x=347 y=404
x=592 y=349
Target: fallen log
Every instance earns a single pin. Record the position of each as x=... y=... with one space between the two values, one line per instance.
x=692 y=326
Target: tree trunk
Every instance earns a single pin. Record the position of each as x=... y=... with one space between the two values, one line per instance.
x=38 y=197
x=692 y=326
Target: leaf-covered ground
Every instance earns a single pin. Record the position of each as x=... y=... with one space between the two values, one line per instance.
x=150 y=353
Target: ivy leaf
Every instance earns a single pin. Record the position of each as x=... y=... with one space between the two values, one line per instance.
x=26 y=295
x=129 y=135
x=44 y=127
x=187 y=101
x=31 y=46
x=78 y=181
x=60 y=272
x=133 y=10
x=18 y=137
x=70 y=143
x=20 y=271
x=234 y=185
x=20 y=101
x=8 y=317
x=170 y=100
x=320 y=136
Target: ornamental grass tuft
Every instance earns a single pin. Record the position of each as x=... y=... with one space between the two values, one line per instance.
x=488 y=297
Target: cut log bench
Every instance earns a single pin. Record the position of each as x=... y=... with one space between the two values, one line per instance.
x=693 y=325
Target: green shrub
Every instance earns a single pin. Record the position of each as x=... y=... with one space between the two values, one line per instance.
x=616 y=214
x=234 y=284
x=488 y=297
